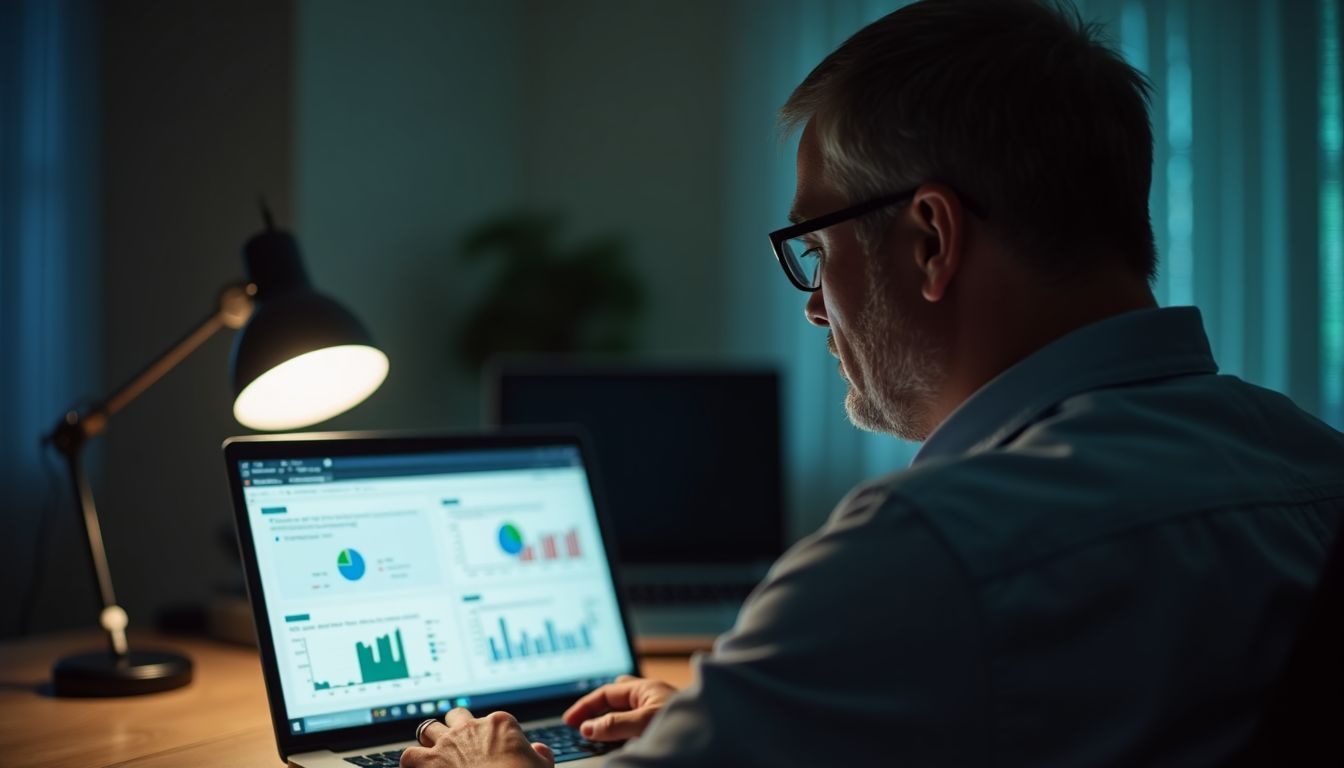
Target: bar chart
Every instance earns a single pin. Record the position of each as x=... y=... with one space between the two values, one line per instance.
x=335 y=653
x=547 y=548
x=518 y=549
x=378 y=662
x=546 y=640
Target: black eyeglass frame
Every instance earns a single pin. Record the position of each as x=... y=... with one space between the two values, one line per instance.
x=780 y=236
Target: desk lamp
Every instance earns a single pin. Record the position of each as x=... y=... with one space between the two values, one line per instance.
x=300 y=358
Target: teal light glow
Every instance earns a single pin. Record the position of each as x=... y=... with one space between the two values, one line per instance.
x=1134 y=34
x=1180 y=282
x=1274 y=350
x=1332 y=221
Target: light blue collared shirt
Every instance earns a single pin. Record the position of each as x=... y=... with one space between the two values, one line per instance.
x=1100 y=558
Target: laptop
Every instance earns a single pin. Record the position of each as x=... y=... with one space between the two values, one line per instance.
x=393 y=577
x=693 y=461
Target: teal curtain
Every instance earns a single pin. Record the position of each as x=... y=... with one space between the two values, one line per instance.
x=1246 y=204
x=1246 y=183
x=48 y=259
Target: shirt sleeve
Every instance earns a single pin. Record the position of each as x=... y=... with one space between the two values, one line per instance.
x=861 y=647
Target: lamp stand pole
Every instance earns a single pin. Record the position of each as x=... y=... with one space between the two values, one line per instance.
x=120 y=671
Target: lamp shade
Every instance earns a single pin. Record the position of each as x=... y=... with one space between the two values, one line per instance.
x=302 y=357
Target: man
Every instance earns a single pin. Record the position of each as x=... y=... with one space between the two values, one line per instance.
x=1102 y=551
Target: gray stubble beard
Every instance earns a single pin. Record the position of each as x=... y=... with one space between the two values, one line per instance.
x=902 y=367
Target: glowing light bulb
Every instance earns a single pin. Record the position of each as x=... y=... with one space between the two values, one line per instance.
x=310 y=388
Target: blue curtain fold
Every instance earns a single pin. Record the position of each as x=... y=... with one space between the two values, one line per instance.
x=49 y=275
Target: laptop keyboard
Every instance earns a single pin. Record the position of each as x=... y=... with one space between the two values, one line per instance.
x=567 y=744
x=564 y=741
x=671 y=594
x=377 y=758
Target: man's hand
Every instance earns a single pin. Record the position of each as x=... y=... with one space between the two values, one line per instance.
x=619 y=710
x=493 y=741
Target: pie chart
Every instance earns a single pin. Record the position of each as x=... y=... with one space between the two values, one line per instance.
x=351 y=564
x=510 y=539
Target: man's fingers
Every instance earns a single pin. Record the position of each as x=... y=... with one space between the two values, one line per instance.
x=495 y=735
x=617 y=726
x=604 y=699
x=414 y=756
x=456 y=717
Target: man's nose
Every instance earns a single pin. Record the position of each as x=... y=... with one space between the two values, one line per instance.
x=815 y=309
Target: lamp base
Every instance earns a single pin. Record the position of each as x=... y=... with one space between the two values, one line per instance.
x=103 y=674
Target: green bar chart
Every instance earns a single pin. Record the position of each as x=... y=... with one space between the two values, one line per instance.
x=378 y=662
x=385 y=665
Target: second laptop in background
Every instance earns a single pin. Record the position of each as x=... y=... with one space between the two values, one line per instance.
x=691 y=462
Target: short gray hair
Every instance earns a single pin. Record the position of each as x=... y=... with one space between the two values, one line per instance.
x=1017 y=104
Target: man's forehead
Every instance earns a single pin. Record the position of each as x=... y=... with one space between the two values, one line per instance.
x=811 y=184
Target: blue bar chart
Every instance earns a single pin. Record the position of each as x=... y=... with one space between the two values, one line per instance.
x=546 y=640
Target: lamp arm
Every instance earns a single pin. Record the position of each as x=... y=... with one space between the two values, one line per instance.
x=75 y=429
x=235 y=307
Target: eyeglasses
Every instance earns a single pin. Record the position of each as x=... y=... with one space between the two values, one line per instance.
x=800 y=256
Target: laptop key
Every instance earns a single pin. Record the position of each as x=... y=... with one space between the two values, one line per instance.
x=568 y=744
x=377 y=759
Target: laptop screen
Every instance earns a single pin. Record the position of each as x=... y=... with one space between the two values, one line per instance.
x=399 y=586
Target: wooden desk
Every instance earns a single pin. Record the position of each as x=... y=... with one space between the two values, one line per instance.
x=221 y=719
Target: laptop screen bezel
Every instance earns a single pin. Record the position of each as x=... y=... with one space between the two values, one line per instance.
x=338 y=444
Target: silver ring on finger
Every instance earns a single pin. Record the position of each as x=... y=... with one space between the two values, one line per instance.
x=420 y=729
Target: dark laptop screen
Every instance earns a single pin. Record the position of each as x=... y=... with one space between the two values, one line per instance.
x=690 y=460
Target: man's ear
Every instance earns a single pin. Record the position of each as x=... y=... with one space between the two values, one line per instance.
x=939 y=219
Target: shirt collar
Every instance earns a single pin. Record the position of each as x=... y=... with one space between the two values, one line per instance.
x=1133 y=346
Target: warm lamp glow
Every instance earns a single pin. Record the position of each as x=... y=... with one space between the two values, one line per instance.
x=310 y=388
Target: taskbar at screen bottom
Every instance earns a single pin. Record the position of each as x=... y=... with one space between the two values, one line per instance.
x=420 y=709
